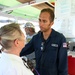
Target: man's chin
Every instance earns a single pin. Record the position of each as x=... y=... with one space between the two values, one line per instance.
x=41 y=29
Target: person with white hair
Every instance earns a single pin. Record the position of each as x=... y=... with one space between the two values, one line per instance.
x=12 y=40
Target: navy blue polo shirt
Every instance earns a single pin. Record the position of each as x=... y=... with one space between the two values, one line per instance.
x=51 y=54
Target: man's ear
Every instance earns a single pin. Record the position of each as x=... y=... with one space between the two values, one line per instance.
x=16 y=42
x=52 y=23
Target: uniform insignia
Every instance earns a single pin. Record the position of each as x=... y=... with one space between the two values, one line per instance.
x=55 y=45
x=64 y=44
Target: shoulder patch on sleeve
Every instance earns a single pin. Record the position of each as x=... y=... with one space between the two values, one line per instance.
x=64 y=44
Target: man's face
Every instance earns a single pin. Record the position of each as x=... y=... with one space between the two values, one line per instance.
x=27 y=30
x=44 y=21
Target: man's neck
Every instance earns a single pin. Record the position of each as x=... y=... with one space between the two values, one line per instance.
x=15 y=52
x=47 y=34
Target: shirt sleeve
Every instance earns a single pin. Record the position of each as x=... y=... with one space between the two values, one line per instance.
x=28 y=48
x=62 y=58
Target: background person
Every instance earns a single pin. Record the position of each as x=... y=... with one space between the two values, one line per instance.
x=50 y=47
x=12 y=40
x=30 y=32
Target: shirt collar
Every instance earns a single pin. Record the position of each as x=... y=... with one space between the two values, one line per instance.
x=11 y=57
x=53 y=33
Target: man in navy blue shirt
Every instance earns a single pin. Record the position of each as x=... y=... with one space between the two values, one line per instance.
x=49 y=46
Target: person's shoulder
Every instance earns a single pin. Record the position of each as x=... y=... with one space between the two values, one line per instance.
x=38 y=33
x=59 y=34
